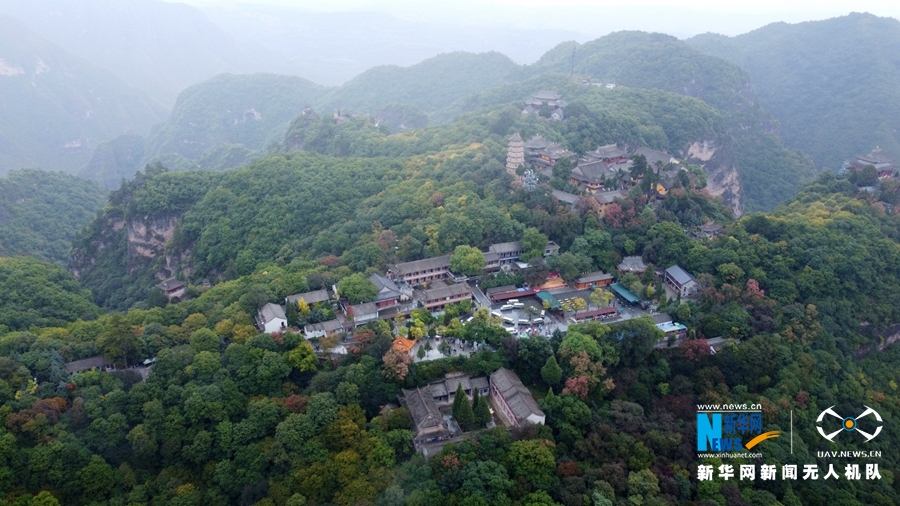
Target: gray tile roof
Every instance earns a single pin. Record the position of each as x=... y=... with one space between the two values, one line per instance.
x=500 y=289
x=876 y=156
x=608 y=197
x=592 y=172
x=328 y=326
x=505 y=247
x=310 y=297
x=608 y=151
x=445 y=291
x=680 y=275
x=270 y=312
x=438 y=389
x=568 y=198
x=480 y=382
x=170 y=284
x=593 y=277
x=654 y=156
x=364 y=309
x=423 y=409
x=441 y=262
x=660 y=318
x=537 y=142
x=87 y=363
x=632 y=264
x=453 y=383
x=387 y=290
x=517 y=397
x=547 y=95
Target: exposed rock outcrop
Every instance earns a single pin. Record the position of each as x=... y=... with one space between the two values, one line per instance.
x=721 y=167
x=147 y=239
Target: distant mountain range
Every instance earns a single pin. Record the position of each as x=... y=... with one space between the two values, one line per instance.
x=160 y=47
x=833 y=85
x=827 y=96
x=55 y=108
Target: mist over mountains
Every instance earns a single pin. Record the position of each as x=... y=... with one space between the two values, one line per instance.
x=788 y=108
x=56 y=107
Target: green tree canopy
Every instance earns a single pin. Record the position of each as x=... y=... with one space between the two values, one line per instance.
x=467 y=260
x=357 y=288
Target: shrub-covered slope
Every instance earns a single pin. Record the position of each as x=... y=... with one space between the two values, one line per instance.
x=832 y=85
x=41 y=211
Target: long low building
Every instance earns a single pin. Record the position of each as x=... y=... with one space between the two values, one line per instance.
x=626 y=294
x=503 y=293
x=514 y=402
x=596 y=314
x=420 y=271
x=310 y=298
x=598 y=278
x=435 y=299
x=322 y=329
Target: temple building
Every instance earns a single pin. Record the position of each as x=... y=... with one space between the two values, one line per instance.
x=884 y=165
x=515 y=154
x=544 y=154
x=548 y=99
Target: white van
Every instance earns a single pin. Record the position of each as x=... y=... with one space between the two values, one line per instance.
x=538 y=320
x=506 y=307
x=512 y=301
x=523 y=323
x=498 y=314
x=509 y=320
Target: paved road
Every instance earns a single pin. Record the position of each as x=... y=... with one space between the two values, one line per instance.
x=481 y=298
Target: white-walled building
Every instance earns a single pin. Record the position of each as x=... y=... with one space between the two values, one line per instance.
x=271 y=318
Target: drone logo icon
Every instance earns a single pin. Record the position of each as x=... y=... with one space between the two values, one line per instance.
x=849 y=423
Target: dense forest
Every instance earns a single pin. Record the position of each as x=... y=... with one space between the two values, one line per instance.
x=230 y=416
x=808 y=75
x=41 y=212
x=429 y=190
x=113 y=394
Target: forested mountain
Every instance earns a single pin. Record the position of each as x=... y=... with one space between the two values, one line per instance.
x=218 y=220
x=244 y=109
x=41 y=212
x=770 y=173
x=429 y=85
x=224 y=122
x=57 y=107
x=832 y=85
x=159 y=47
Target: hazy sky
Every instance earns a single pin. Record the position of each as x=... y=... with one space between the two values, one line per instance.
x=593 y=18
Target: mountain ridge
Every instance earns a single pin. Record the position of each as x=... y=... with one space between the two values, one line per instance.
x=56 y=107
x=831 y=84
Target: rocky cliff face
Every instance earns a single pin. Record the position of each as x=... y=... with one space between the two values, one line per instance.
x=147 y=239
x=723 y=177
x=123 y=258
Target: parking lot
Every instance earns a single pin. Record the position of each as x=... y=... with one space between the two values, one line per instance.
x=519 y=320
